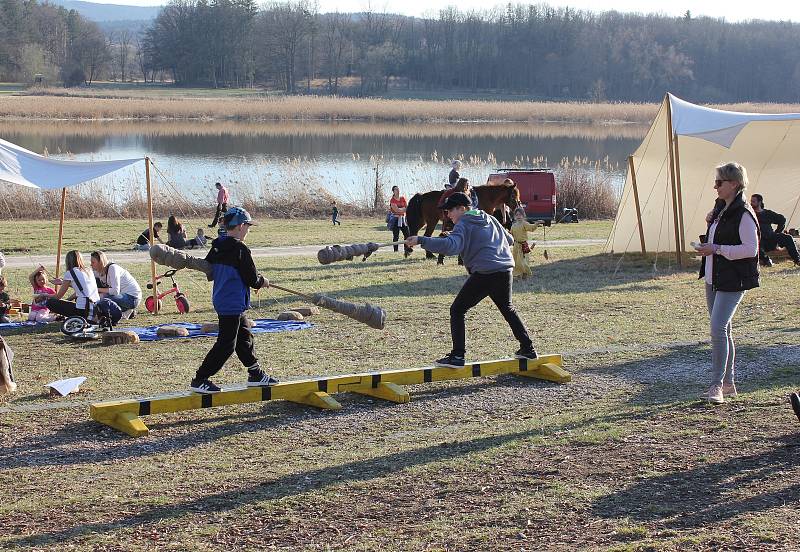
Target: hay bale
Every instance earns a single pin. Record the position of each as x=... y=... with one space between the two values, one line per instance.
x=172 y=331
x=209 y=327
x=119 y=337
x=307 y=311
x=290 y=315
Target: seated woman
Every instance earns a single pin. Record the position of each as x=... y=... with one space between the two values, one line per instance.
x=177 y=235
x=81 y=280
x=118 y=284
x=143 y=241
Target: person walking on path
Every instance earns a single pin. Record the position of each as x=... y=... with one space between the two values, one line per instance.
x=335 y=214
x=486 y=249
x=772 y=239
x=519 y=231
x=234 y=274
x=222 y=203
x=729 y=268
x=398 y=223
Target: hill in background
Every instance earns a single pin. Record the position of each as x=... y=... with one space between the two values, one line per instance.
x=105 y=13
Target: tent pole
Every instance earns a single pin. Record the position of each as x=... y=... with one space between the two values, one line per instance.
x=60 y=232
x=150 y=225
x=636 y=201
x=671 y=170
x=680 y=195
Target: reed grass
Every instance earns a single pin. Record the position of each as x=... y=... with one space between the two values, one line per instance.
x=57 y=103
x=587 y=186
x=319 y=129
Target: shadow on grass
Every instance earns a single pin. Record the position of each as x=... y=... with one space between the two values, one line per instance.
x=710 y=493
x=81 y=438
x=312 y=480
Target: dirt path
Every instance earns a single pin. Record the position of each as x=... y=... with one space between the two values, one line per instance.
x=130 y=257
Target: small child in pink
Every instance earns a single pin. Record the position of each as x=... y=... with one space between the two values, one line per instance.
x=40 y=313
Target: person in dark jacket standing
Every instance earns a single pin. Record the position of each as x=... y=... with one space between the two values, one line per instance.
x=234 y=273
x=485 y=247
x=452 y=179
x=729 y=268
x=772 y=239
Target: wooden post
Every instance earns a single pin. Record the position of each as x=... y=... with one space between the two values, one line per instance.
x=680 y=195
x=150 y=225
x=60 y=232
x=671 y=170
x=636 y=201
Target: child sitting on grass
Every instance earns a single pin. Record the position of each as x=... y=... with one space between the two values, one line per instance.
x=39 y=312
x=234 y=274
x=5 y=301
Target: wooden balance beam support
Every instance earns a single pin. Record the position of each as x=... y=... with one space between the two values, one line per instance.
x=125 y=415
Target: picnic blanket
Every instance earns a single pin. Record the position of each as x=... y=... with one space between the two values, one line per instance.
x=10 y=325
x=261 y=325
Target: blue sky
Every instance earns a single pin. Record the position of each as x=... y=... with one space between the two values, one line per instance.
x=731 y=11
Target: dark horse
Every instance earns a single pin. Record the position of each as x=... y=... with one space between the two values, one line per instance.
x=423 y=208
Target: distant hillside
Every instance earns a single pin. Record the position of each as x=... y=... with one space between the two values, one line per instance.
x=109 y=12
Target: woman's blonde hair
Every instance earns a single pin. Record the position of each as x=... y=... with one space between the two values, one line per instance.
x=35 y=273
x=102 y=258
x=74 y=259
x=735 y=173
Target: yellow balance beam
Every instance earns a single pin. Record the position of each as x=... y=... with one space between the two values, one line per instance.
x=124 y=414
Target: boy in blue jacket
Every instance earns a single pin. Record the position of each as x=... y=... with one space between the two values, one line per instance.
x=485 y=247
x=234 y=274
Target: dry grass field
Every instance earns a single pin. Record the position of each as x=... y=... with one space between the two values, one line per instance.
x=625 y=457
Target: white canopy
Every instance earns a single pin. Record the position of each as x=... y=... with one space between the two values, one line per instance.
x=20 y=166
x=765 y=144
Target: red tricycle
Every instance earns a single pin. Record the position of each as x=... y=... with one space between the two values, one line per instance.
x=181 y=302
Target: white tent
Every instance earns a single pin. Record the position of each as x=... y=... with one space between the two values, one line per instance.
x=26 y=168
x=669 y=186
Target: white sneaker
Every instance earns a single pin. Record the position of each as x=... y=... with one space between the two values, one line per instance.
x=714 y=395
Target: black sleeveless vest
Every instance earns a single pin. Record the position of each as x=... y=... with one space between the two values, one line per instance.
x=739 y=275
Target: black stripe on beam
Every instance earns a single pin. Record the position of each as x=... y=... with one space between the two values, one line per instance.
x=523 y=365
x=427 y=375
x=323 y=385
x=144 y=408
x=476 y=370
x=376 y=379
x=266 y=393
x=206 y=400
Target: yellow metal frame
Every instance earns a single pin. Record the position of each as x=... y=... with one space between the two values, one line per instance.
x=125 y=415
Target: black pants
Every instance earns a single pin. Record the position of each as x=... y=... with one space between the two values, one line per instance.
x=65 y=308
x=222 y=208
x=779 y=240
x=234 y=336
x=396 y=229
x=497 y=286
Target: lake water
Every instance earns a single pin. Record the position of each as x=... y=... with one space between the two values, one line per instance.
x=339 y=157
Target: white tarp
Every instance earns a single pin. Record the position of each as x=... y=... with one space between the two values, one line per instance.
x=20 y=166
x=765 y=144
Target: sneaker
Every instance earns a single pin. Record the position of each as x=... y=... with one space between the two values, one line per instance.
x=794 y=398
x=729 y=390
x=527 y=353
x=258 y=378
x=204 y=386
x=714 y=395
x=450 y=361
x=766 y=261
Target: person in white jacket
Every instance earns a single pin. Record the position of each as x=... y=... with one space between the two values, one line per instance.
x=116 y=283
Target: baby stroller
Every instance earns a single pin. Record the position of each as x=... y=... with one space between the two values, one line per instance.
x=100 y=317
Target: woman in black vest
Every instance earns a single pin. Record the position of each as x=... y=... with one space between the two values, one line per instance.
x=729 y=267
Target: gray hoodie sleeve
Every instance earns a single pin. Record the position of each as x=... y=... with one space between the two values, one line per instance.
x=451 y=245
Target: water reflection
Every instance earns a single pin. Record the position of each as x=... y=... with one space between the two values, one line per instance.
x=340 y=157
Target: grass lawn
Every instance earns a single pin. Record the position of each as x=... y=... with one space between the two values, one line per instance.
x=622 y=458
x=23 y=237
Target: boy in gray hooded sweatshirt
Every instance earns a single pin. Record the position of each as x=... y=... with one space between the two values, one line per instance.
x=485 y=246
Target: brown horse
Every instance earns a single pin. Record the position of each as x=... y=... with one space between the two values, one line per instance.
x=423 y=208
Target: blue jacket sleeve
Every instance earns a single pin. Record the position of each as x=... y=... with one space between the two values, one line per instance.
x=451 y=245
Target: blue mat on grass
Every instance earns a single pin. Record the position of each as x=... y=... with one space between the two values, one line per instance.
x=25 y=324
x=262 y=325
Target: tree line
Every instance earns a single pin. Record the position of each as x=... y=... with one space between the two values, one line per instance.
x=532 y=50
